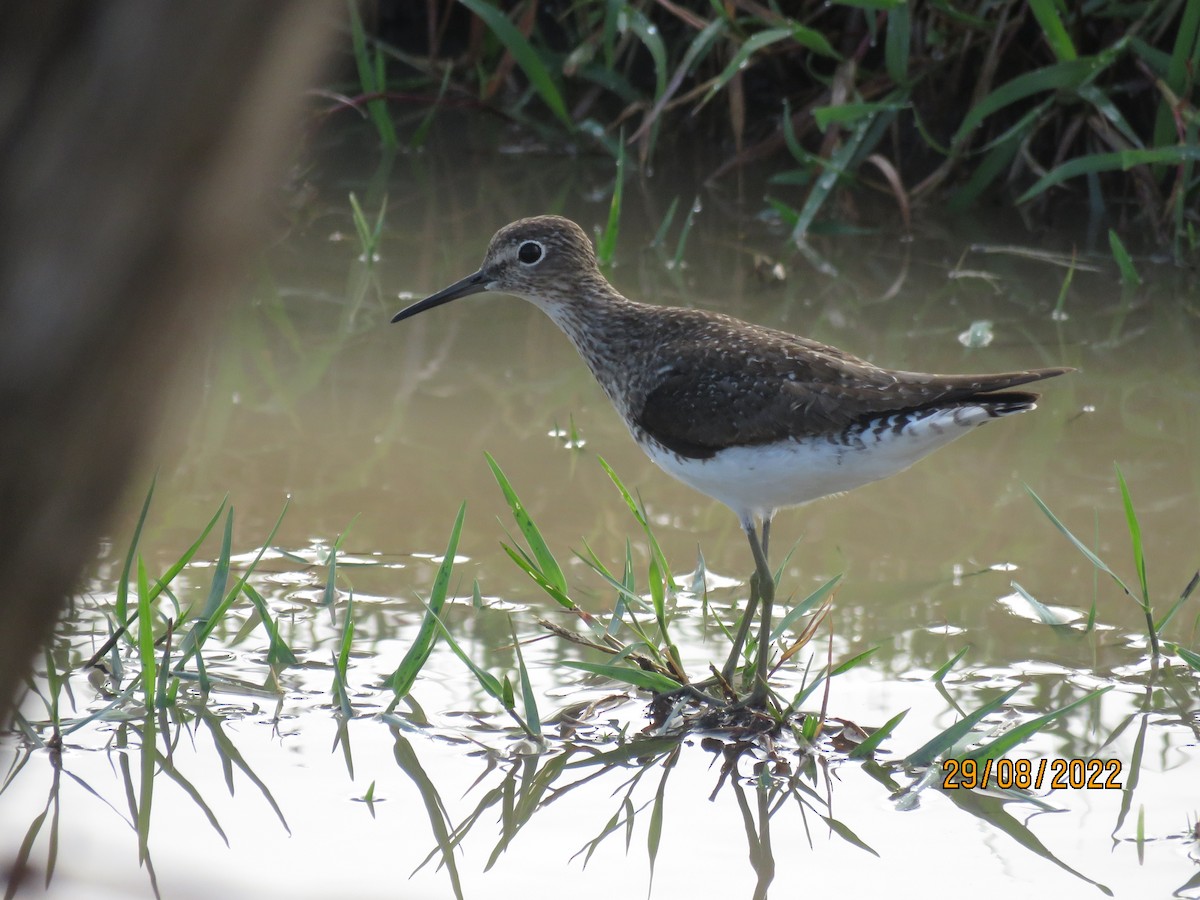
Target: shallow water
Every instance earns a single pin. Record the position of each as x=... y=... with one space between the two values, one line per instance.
x=382 y=430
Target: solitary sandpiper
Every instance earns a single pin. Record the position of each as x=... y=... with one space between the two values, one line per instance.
x=756 y=418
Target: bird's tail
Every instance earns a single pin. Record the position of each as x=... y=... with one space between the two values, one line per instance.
x=1005 y=403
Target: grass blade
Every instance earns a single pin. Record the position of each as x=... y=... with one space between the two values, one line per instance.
x=1046 y=13
x=1117 y=161
x=406 y=673
x=949 y=664
x=607 y=244
x=1079 y=545
x=639 y=678
x=145 y=636
x=806 y=37
x=1026 y=730
x=1129 y=276
x=528 y=699
x=526 y=57
x=941 y=743
x=804 y=607
x=878 y=736
x=1139 y=560
x=121 y=608
x=547 y=564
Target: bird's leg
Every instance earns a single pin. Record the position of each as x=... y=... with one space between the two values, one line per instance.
x=743 y=631
x=766 y=591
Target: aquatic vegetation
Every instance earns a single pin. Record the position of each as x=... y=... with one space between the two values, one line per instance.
x=1141 y=594
x=1035 y=101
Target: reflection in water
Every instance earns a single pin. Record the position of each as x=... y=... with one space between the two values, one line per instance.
x=769 y=781
x=501 y=795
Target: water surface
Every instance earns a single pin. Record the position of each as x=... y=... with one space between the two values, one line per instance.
x=382 y=430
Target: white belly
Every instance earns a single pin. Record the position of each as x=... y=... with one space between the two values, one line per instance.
x=756 y=481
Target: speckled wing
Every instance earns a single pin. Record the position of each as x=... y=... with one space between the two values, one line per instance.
x=722 y=398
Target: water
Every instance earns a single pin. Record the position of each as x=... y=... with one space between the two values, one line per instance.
x=380 y=431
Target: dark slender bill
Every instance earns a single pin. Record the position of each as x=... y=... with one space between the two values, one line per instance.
x=472 y=284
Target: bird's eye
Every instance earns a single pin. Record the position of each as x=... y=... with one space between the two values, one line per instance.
x=530 y=252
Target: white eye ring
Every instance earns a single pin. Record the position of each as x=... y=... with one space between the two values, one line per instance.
x=530 y=253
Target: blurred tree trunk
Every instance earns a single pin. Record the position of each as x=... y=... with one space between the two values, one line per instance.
x=138 y=141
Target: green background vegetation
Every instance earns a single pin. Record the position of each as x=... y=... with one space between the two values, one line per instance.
x=1063 y=110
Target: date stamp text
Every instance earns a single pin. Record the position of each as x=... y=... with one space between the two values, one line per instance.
x=1030 y=774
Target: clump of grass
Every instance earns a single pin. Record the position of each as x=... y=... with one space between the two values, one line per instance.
x=368 y=235
x=1033 y=101
x=642 y=654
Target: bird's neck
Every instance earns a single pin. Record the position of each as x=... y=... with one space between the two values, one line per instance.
x=607 y=329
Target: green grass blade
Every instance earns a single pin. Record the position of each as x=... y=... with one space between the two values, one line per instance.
x=528 y=698
x=341 y=684
x=371 y=78
x=848 y=113
x=1180 y=70
x=852 y=662
x=1117 y=161
x=827 y=180
x=1061 y=76
x=1046 y=13
x=220 y=579
x=1183 y=598
x=1139 y=560
x=684 y=231
x=941 y=743
x=651 y=39
x=1079 y=545
x=207 y=628
x=538 y=73
x=1191 y=657
x=878 y=736
x=1129 y=276
x=121 y=609
x=1109 y=109
x=547 y=564
x=421 y=132
x=1135 y=536
x=665 y=224
x=279 y=654
x=640 y=514
x=805 y=37
x=145 y=635
x=1026 y=730
x=949 y=664
x=489 y=682
x=897 y=42
x=161 y=698
x=607 y=244
x=802 y=609
x=639 y=678
x=329 y=594
x=523 y=562
x=179 y=564
x=406 y=673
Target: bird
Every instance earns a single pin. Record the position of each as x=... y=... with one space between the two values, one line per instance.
x=756 y=418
